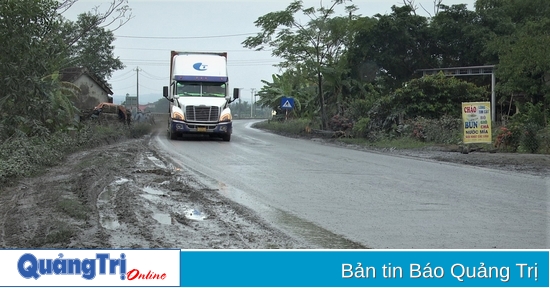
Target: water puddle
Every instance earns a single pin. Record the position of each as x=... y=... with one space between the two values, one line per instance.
x=194 y=214
x=301 y=228
x=106 y=195
x=153 y=191
x=105 y=205
x=152 y=198
x=121 y=181
x=110 y=224
x=164 y=183
x=163 y=218
x=157 y=162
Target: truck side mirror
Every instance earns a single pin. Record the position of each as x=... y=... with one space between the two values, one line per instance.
x=236 y=93
x=165 y=93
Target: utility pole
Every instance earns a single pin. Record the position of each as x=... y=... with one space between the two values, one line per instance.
x=252 y=101
x=240 y=105
x=137 y=87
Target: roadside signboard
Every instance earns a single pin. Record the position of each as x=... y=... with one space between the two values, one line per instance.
x=287 y=103
x=476 y=119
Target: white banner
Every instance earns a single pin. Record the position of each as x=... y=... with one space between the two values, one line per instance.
x=81 y=267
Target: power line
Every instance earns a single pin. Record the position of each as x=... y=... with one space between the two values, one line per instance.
x=121 y=79
x=228 y=61
x=123 y=74
x=228 y=65
x=184 y=37
x=126 y=87
x=168 y=50
x=150 y=89
x=152 y=77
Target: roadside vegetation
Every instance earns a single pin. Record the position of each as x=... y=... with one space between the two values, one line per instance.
x=38 y=125
x=25 y=156
x=354 y=76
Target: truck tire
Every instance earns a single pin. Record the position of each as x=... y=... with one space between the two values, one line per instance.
x=172 y=135
x=226 y=138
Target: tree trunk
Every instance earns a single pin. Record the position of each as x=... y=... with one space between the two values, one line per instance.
x=545 y=112
x=322 y=101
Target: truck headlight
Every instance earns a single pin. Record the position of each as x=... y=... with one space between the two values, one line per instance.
x=225 y=117
x=178 y=116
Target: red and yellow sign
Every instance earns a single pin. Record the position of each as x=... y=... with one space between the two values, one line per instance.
x=476 y=117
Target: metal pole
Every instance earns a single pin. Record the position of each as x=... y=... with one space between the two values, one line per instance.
x=493 y=98
x=240 y=105
x=251 y=101
x=137 y=88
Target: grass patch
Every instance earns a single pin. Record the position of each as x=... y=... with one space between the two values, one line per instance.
x=397 y=143
x=73 y=208
x=61 y=235
x=140 y=129
x=23 y=156
x=294 y=126
x=84 y=163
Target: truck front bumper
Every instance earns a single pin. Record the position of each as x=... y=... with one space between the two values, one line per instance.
x=178 y=126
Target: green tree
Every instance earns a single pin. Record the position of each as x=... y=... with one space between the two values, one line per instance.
x=521 y=42
x=33 y=49
x=33 y=101
x=90 y=37
x=434 y=96
x=396 y=46
x=524 y=63
x=92 y=47
x=316 y=44
x=290 y=83
x=459 y=37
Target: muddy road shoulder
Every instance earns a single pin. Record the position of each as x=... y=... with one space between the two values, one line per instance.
x=126 y=196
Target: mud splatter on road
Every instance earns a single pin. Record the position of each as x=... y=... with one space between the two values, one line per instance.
x=125 y=196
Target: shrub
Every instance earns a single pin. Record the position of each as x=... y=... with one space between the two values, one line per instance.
x=361 y=128
x=24 y=156
x=140 y=129
x=293 y=126
x=340 y=123
x=508 y=138
x=529 y=140
x=446 y=130
x=358 y=109
x=543 y=136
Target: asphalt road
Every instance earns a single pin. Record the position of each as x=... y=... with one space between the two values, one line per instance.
x=325 y=194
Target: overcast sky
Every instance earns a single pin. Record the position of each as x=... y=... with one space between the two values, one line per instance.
x=158 y=27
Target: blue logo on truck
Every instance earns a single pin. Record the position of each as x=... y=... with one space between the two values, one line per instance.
x=199 y=66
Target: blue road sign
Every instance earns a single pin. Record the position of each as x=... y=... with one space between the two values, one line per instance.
x=287 y=103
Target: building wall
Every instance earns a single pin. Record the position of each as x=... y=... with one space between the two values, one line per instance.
x=91 y=94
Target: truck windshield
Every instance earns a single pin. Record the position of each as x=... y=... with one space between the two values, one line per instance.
x=200 y=89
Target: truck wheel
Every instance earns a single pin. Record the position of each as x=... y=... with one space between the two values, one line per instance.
x=226 y=138
x=172 y=135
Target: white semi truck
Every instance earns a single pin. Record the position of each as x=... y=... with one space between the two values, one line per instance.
x=199 y=95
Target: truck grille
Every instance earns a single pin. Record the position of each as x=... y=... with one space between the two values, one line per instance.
x=202 y=113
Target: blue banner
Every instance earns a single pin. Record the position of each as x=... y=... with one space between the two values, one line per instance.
x=364 y=268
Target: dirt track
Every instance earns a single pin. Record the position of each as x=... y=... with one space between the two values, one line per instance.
x=125 y=195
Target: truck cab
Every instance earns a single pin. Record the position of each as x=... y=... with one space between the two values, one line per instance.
x=199 y=95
